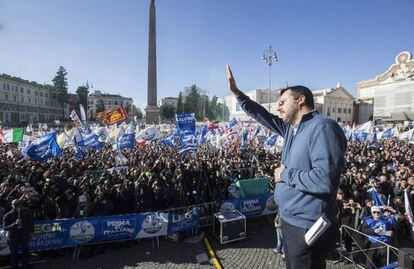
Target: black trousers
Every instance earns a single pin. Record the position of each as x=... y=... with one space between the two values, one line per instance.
x=14 y=253
x=377 y=257
x=299 y=255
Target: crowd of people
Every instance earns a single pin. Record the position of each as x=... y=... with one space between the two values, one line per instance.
x=158 y=178
x=372 y=195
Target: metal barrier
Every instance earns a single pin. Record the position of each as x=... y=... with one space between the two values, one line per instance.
x=206 y=219
x=346 y=230
x=206 y=212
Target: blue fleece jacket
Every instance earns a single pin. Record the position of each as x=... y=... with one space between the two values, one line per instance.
x=314 y=159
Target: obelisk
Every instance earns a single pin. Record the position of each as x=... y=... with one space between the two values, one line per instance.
x=152 y=112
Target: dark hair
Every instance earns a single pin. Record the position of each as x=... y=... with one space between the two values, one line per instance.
x=300 y=90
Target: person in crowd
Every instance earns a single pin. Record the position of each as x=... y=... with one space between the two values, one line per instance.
x=279 y=236
x=350 y=217
x=19 y=224
x=380 y=231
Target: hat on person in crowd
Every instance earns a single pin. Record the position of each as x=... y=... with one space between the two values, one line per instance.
x=340 y=191
x=375 y=209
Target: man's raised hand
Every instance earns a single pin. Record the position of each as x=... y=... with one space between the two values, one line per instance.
x=232 y=83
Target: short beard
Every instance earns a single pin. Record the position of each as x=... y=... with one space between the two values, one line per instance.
x=293 y=116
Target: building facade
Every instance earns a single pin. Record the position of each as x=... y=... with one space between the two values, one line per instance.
x=108 y=100
x=363 y=110
x=335 y=103
x=171 y=101
x=392 y=92
x=23 y=101
x=260 y=96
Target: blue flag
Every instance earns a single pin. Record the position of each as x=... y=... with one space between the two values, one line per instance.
x=361 y=136
x=125 y=141
x=373 y=139
x=188 y=142
x=203 y=134
x=186 y=122
x=387 y=133
x=233 y=123
x=79 y=153
x=92 y=141
x=169 y=141
x=271 y=140
x=44 y=148
x=376 y=200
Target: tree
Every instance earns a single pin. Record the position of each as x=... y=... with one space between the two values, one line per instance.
x=205 y=106
x=180 y=104
x=223 y=112
x=213 y=112
x=135 y=111
x=193 y=102
x=83 y=92
x=128 y=108
x=61 y=86
x=100 y=106
x=167 y=112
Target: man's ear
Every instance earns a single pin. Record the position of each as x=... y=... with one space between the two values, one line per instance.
x=301 y=100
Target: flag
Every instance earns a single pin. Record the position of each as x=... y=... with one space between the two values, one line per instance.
x=361 y=136
x=271 y=141
x=74 y=117
x=10 y=136
x=386 y=134
x=102 y=134
x=92 y=141
x=29 y=128
x=186 y=122
x=373 y=139
x=114 y=115
x=148 y=134
x=233 y=123
x=408 y=209
x=376 y=200
x=213 y=125
x=406 y=135
x=364 y=128
x=78 y=137
x=126 y=140
x=26 y=141
x=244 y=137
x=79 y=152
x=43 y=148
x=188 y=142
x=114 y=132
x=64 y=140
x=203 y=134
x=169 y=141
x=82 y=112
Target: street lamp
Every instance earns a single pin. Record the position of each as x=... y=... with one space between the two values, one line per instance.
x=269 y=56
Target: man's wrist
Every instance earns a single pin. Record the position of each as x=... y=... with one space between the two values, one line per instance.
x=284 y=175
x=236 y=92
